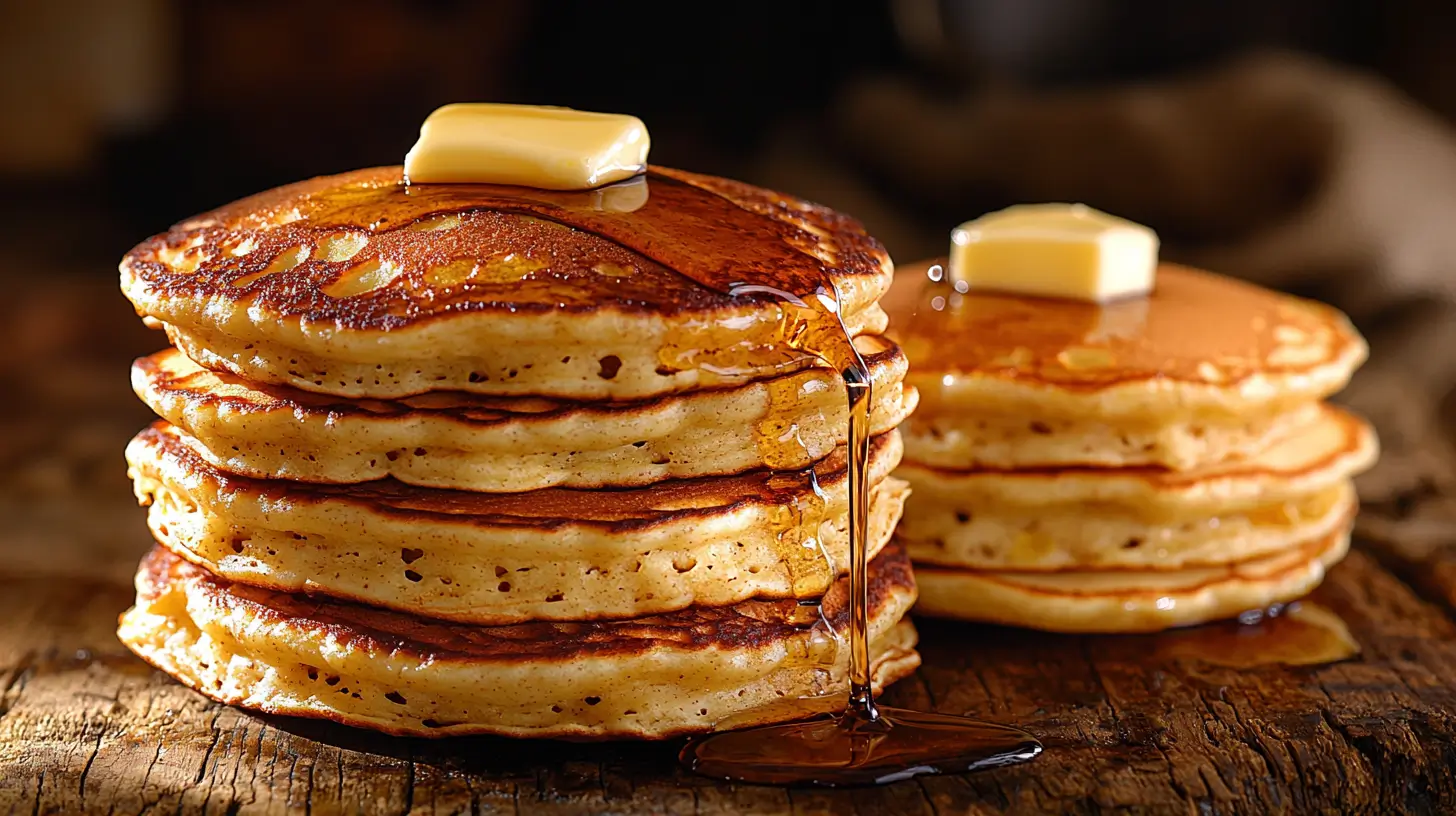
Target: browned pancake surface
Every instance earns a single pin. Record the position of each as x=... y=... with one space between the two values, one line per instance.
x=224 y=390
x=511 y=249
x=1195 y=327
x=612 y=509
x=750 y=624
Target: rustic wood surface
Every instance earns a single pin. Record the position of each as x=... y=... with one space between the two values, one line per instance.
x=1134 y=724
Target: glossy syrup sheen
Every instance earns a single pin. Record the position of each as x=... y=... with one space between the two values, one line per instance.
x=865 y=745
x=1195 y=327
x=666 y=241
x=719 y=244
x=730 y=241
x=1304 y=633
x=716 y=262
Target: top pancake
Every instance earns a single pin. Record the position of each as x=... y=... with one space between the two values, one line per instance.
x=360 y=286
x=1201 y=345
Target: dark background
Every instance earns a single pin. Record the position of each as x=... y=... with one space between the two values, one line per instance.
x=123 y=116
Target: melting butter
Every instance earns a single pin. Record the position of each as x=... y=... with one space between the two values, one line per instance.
x=1054 y=250
x=527 y=146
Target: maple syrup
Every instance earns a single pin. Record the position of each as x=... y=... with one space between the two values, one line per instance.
x=866 y=744
x=739 y=249
x=1196 y=327
x=1302 y=633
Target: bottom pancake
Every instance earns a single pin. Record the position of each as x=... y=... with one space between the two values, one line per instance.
x=1124 y=600
x=655 y=677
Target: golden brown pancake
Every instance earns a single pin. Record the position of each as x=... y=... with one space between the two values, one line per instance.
x=1028 y=539
x=552 y=554
x=649 y=678
x=1201 y=345
x=1130 y=466
x=1116 y=601
x=361 y=286
x=1327 y=452
x=516 y=444
x=958 y=440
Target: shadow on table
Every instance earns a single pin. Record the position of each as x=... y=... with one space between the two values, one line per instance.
x=498 y=757
x=1305 y=633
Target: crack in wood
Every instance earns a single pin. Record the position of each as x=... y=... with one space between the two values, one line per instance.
x=39 y=793
x=95 y=750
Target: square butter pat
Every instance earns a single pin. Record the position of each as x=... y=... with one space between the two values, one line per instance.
x=1054 y=250
x=528 y=146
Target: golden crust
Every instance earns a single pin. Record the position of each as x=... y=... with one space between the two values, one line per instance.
x=359 y=286
x=617 y=511
x=563 y=232
x=748 y=625
x=1200 y=345
x=1335 y=447
x=1128 y=600
x=514 y=444
x=640 y=552
x=651 y=678
x=1032 y=540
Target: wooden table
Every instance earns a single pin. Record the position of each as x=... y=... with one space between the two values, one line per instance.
x=1139 y=724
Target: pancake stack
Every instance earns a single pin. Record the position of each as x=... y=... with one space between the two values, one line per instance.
x=1155 y=462
x=451 y=459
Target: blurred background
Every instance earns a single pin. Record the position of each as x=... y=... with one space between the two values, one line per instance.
x=1307 y=144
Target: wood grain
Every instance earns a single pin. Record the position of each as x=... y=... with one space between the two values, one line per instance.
x=86 y=728
x=1145 y=724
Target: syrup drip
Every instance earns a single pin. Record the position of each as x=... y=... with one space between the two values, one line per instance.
x=749 y=248
x=866 y=744
x=801 y=545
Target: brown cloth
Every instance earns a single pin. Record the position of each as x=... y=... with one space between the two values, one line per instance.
x=1275 y=167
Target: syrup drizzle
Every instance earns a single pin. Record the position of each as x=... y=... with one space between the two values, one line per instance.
x=866 y=744
x=743 y=243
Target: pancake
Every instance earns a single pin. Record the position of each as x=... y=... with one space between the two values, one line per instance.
x=515 y=444
x=1125 y=601
x=1321 y=455
x=648 y=678
x=357 y=285
x=1200 y=346
x=994 y=538
x=553 y=554
x=960 y=440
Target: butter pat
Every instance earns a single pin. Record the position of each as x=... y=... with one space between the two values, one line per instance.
x=1054 y=250
x=528 y=146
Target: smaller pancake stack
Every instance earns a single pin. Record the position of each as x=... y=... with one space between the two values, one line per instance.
x=435 y=464
x=1154 y=462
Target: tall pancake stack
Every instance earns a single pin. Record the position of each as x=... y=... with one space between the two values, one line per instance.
x=453 y=459
x=1155 y=462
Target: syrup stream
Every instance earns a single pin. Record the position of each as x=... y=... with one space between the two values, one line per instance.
x=733 y=246
x=866 y=744
x=860 y=390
